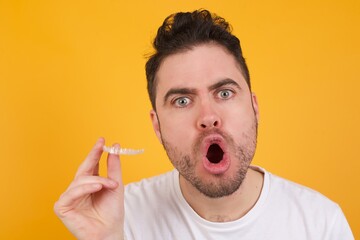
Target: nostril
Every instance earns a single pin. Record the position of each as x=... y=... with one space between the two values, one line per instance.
x=214 y=124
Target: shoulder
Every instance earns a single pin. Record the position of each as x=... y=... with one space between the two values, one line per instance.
x=297 y=193
x=152 y=182
x=150 y=204
x=282 y=196
x=287 y=209
x=149 y=190
x=287 y=198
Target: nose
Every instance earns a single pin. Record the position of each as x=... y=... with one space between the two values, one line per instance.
x=208 y=117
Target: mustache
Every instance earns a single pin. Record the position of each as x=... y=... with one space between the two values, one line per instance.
x=199 y=139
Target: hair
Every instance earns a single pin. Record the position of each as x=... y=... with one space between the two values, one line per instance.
x=183 y=30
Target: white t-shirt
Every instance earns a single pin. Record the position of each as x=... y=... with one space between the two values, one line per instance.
x=156 y=209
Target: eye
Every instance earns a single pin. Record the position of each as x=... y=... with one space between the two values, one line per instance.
x=225 y=94
x=182 y=102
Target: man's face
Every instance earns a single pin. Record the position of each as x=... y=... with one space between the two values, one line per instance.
x=206 y=118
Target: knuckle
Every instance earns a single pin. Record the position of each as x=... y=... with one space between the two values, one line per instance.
x=56 y=208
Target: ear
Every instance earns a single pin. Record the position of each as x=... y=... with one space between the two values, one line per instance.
x=255 y=106
x=156 y=124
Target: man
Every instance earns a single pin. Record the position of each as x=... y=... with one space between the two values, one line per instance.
x=206 y=117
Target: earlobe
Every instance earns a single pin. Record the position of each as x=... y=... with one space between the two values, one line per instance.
x=156 y=124
x=255 y=106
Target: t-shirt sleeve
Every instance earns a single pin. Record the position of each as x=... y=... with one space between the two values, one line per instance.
x=340 y=228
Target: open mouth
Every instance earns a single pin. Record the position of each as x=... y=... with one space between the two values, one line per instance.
x=215 y=153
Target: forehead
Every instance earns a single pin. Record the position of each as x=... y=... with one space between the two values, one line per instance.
x=198 y=68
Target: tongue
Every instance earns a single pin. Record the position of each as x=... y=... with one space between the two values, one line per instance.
x=215 y=153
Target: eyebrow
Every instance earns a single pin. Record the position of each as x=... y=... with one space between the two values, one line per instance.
x=193 y=91
x=180 y=91
x=226 y=81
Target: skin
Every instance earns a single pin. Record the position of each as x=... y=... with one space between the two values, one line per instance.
x=203 y=92
x=93 y=206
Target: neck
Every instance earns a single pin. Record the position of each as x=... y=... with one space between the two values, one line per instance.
x=227 y=208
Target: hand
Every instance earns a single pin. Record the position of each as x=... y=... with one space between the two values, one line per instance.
x=93 y=207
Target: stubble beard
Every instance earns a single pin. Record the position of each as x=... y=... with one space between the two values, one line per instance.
x=218 y=185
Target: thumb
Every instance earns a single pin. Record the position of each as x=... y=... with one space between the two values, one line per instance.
x=114 y=166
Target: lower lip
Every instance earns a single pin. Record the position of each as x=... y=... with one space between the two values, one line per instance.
x=217 y=168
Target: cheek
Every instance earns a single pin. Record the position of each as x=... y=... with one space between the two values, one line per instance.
x=177 y=118
x=238 y=119
x=176 y=128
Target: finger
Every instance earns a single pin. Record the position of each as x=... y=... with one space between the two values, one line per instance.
x=96 y=170
x=108 y=183
x=70 y=198
x=90 y=165
x=114 y=166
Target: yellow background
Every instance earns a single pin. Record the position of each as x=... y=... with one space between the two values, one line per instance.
x=71 y=71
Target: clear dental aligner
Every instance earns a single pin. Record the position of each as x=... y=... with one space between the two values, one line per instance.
x=122 y=151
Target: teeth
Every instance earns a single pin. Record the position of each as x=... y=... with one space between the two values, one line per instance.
x=122 y=151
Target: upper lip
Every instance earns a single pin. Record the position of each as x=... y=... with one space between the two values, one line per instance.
x=213 y=139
